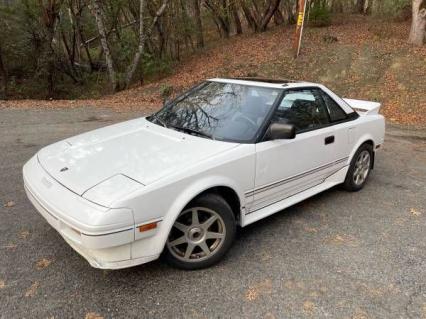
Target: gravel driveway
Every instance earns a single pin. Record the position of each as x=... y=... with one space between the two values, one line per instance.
x=337 y=255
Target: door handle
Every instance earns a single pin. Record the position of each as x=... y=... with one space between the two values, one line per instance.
x=329 y=140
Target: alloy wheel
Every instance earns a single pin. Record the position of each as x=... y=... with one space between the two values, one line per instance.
x=197 y=234
x=362 y=168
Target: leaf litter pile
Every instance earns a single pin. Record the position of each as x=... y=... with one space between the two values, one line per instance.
x=366 y=60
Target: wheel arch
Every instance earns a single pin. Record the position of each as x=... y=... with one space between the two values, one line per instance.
x=229 y=195
x=216 y=184
x=366 y=139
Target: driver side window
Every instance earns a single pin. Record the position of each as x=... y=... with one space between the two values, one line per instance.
x=304 y=109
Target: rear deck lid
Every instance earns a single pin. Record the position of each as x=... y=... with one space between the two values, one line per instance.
x=364 y=107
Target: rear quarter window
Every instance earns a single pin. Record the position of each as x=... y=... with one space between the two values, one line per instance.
x=336 y=112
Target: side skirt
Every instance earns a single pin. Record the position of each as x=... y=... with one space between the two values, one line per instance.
x=335 y=179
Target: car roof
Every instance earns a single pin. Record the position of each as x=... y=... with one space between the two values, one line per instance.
x=262 y=82
x=284 y=84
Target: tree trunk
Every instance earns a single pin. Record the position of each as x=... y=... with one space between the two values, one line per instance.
x=273 y=6
x=142 y=37
x=249 y=18
x=220 y=17
x=49 y=18
x=198 y=24
x=237 y=21
x=337 y=6
x=102 y=34
x=417 y=33
x=141 y=46
x=359 y=7
x=278 y=17
x=75 y=17
x=4 y=76
x=255 y=19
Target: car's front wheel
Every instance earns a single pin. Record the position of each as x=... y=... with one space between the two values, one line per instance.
x=202 y=233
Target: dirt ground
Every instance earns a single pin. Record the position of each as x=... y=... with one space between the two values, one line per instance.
x=359 y=57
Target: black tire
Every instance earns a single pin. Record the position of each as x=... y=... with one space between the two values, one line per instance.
x=350 y=183
x=206 y=207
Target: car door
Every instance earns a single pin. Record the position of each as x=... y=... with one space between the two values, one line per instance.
x=287 y=167
x=343 y=127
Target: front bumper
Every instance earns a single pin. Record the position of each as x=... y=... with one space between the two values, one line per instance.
x=103 y=236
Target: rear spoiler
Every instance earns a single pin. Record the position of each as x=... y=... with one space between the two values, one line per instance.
x=364 y=107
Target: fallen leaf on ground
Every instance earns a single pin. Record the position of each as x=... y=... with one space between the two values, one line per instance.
x=9 y=204
x=10 y=246
x=310 y=229
x=43 y=263
x=258 y=289
x=400 y=221
x=24 y=234
x=415 y=212
x=251 y=294
x=360 y=314
x=2 y=284
x=342 y=240
x=308 y=307
x=389 y=73
x=32 y=290
x=93 y=315
x=269 y=315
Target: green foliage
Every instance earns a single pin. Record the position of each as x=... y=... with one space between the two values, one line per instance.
x=123 y=48
x=319 y=14
x=154 y=67
x=252 y=74
x=390 y=8
x=166 y=91
x=42 y=43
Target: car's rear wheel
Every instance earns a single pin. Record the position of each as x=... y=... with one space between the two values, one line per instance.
x=202 y=233
x=359 y=169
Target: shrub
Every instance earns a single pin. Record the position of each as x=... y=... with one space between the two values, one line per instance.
x=319 y=15
x=166 y=91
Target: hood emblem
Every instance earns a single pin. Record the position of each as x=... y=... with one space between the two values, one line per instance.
x=63 y=169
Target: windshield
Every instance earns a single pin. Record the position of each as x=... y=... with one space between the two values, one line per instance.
x=223 y=111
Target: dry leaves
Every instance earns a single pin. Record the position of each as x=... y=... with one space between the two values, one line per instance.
x=415 y=212
x=309 y=307
x=32 y=290
x=395 y=66
x=264 y=287
x=43 y=263
x=10 y=247
x=310 y=229
x=24 y=234
x=342 y=239
x=360 y=314
x=93 y=315
x=9 y=204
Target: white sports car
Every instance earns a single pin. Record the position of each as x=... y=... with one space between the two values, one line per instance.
x=177 y=183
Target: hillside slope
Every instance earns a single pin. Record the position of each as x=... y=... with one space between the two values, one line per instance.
x=369 y=61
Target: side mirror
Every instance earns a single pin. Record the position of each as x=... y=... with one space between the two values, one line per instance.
x=281 y=131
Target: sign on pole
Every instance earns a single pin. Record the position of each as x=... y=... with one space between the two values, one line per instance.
x=299 y=27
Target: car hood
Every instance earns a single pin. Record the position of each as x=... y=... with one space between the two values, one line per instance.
x=137 y=149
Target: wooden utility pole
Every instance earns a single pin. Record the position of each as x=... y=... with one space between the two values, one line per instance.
x=299 y=27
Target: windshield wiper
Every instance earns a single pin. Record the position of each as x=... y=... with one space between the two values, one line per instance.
x=192 y=131
x=159 y=120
